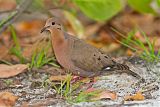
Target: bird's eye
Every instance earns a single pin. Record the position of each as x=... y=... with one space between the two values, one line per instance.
x=53 y=23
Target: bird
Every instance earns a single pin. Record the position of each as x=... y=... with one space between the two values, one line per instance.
x=79 y=57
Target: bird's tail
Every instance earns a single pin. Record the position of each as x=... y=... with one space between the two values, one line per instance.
x=120 y=68
x=116 y=66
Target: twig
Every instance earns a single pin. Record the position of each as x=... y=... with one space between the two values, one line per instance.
x=7 y=11
x=15 y=14
x=13 y=10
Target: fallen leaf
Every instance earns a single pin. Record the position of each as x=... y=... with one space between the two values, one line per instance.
x=102 y=94
x=111 y=48
x=129 y=52
x=105 y=36
x=90 y=90
x=58 y=78
x=80 y=83
x=97 y=45
x=30 y=27
x=7 y=71
x=106 y=95
x=7 y=5
x=80 y=79
x=4 y=52
x=7 y=99
x=137 y=97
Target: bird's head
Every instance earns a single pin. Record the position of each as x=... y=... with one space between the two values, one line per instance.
x=52 y=23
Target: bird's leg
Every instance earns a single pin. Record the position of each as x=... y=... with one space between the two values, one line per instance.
x=87 y=82
x=92 y=81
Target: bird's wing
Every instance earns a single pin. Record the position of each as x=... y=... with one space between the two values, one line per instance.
x=88 y=57
x=91 y=59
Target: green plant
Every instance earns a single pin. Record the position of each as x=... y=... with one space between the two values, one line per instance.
x=8 y=82
x=3 y=21
x=68 y=91
x=46 y=83
x=85 y=96
x=5 y=62
x=99 y=9
x=143 y=6
x=40 y=58
x=65 y=88
x=16 y=50
x=149 y=53
x=146 y=52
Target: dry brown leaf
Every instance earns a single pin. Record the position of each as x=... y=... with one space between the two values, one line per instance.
x=29 y=27
x=85 y=80
x=80 y=79
x=129 y=52
x=97 y=45
x=90 y=90
x=137 y=97
x=102 y=94
x=58 y=78
x=106 y=95
x=7 y=71
x=4 y=52
x=7 y=99
x=105 y=36
x=7 y=5
x=110 y=48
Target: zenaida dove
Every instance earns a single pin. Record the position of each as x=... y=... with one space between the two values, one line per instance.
x=79 y=57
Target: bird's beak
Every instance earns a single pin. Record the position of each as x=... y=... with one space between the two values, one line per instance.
x=44 y=28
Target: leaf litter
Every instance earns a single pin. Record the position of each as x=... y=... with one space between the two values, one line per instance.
x=34 y=88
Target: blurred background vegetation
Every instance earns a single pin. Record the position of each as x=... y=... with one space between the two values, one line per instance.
x=129 y=28
x=122 y=27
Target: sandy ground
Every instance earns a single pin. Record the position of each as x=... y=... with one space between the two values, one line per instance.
x=29 y=87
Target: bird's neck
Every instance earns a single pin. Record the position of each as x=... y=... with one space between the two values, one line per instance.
x=57 y=36
x=59 y=45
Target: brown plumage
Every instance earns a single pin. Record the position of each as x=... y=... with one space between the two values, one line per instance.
x=79 y=57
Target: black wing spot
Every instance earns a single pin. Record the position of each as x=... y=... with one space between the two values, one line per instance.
x=94 y=55
x=99 y=58
x=59 y=28
x=102 y=53
x=106 y=56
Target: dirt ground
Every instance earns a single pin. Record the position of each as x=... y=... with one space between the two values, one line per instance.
x=28 y=86
x=33 y=88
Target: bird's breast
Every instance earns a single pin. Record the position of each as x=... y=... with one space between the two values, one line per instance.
x=62 y=55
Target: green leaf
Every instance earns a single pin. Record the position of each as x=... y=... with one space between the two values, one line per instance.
x=15 y=38
x=143 y=6
x=158 y=3
x=99 y=10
